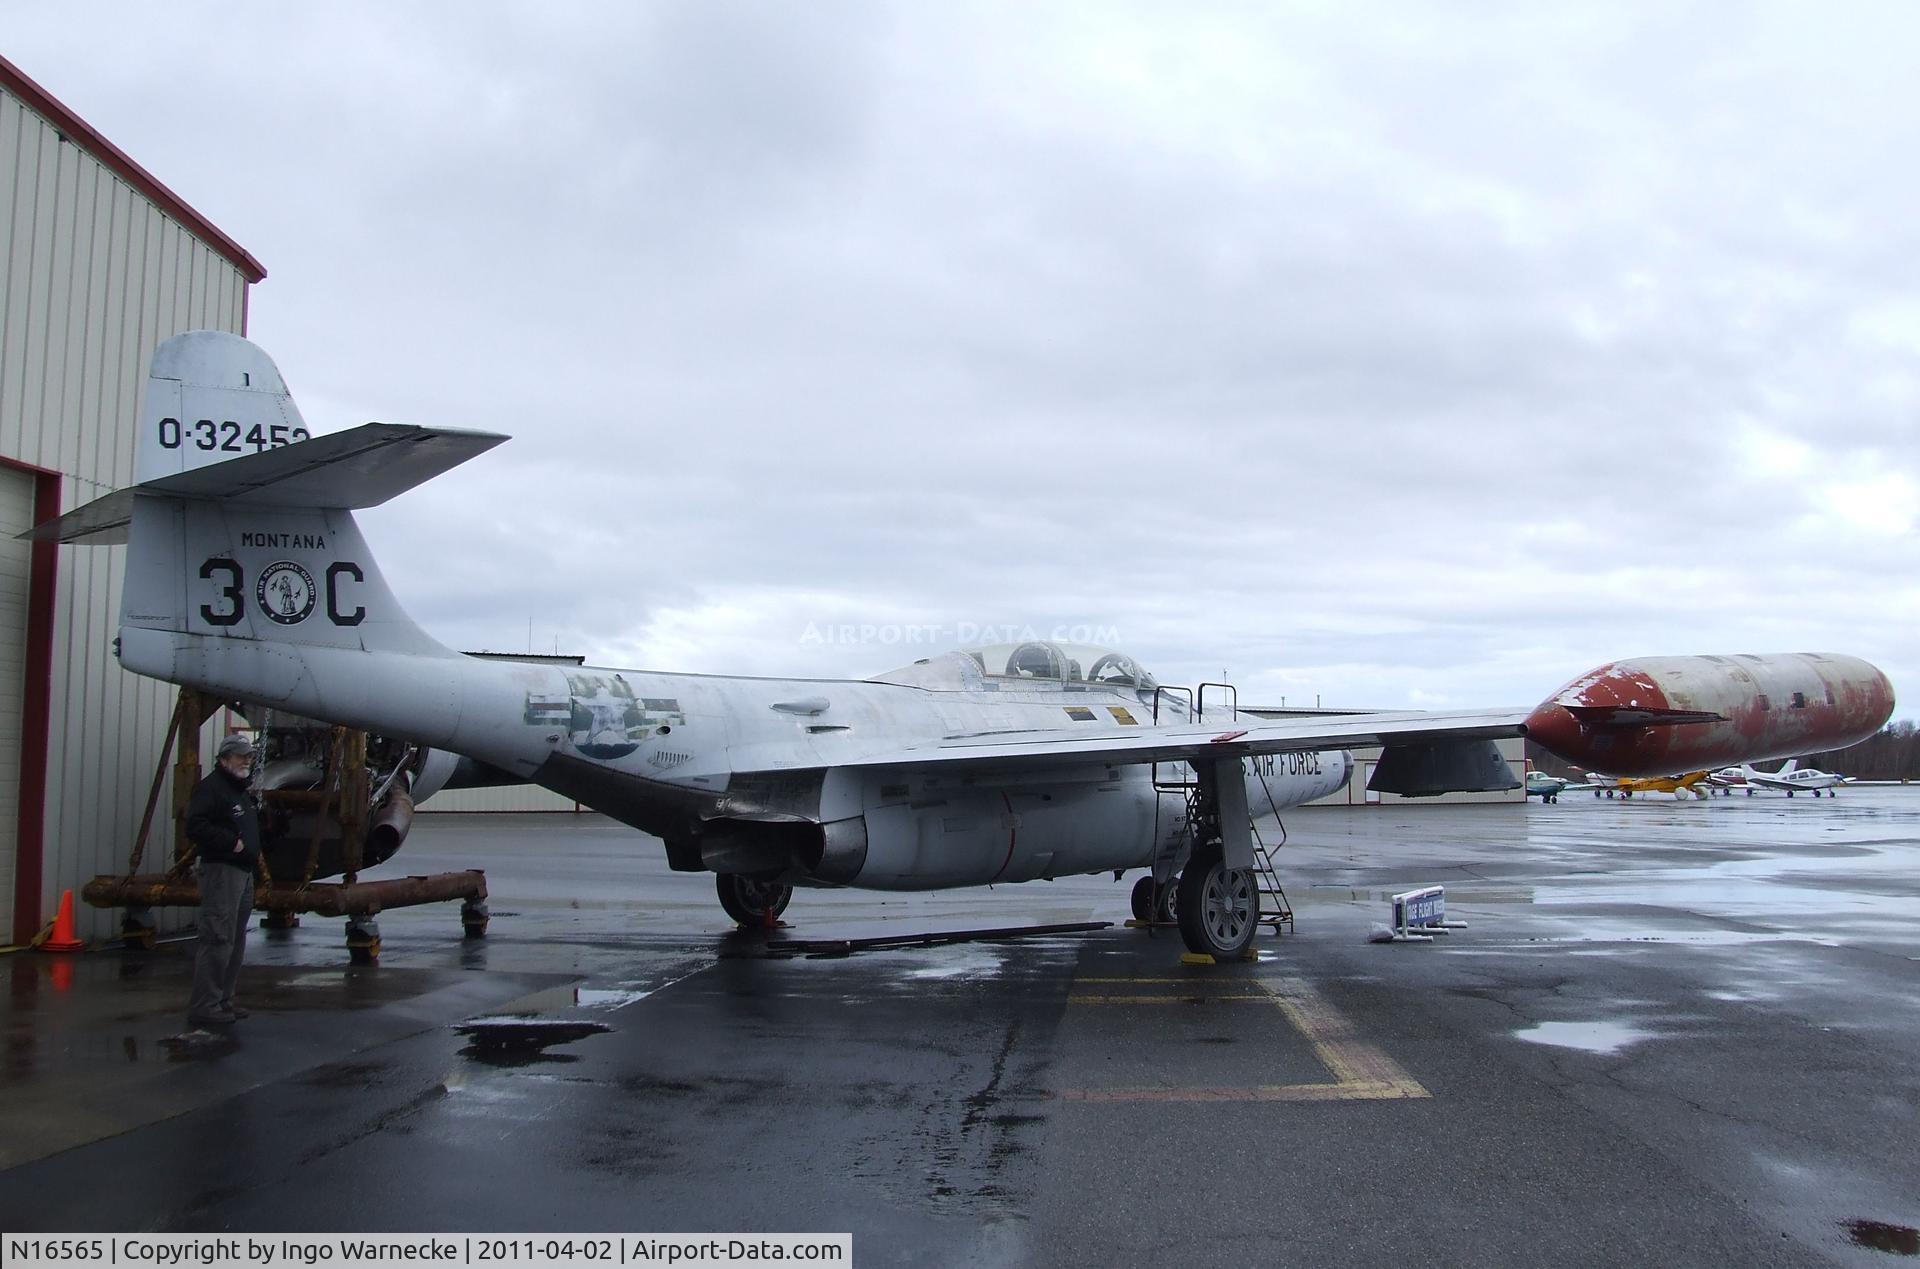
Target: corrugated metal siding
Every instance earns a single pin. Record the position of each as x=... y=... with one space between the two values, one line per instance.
x=512 y=797
x=16 y=515
x=94 y=276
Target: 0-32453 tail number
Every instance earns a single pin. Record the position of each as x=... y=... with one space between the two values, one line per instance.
x=228 y=436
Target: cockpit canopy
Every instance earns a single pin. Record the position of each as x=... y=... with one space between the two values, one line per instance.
x=1036 y=661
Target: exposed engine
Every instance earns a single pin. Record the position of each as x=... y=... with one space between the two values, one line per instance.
x=325 y=788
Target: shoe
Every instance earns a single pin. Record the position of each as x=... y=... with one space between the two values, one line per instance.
x=220 y=1019
x=236 y=1010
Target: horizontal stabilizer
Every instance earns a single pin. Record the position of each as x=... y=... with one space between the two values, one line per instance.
x=345 y=471
x=1631 y=716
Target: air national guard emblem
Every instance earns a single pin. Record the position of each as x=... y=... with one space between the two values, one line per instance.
x=286 y=592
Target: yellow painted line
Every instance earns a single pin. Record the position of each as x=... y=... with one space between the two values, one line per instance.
x=1360 y=1071
x=1352 y=1061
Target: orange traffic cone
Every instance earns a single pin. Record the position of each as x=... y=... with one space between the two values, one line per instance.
x=62 y=939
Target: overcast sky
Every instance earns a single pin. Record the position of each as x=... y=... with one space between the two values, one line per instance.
x=1402 y=355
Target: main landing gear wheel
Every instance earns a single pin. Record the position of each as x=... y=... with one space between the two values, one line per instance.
x=1218 y=907
x=1144 y=907
x=752 y=903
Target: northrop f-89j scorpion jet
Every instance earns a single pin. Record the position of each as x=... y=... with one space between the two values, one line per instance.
x=248 y=578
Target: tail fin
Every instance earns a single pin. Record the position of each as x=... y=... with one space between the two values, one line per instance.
x=243 y=549
x=211 y=397
x=1789 y=765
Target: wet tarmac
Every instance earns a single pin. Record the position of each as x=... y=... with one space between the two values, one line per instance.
x=1673 y=1032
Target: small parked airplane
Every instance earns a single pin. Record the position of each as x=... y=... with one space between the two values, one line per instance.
x=248 y=578
x=1682 y=787
x=1548 y=788
x=1790 y=779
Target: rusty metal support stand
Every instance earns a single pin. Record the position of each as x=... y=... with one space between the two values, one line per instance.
x=347 y=792
x=191 y=709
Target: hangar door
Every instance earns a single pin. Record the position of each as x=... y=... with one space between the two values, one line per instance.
x=16 y=516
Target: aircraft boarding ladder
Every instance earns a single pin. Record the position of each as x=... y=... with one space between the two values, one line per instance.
x=1179 y=777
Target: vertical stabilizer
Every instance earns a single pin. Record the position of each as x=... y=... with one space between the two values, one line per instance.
x=212 y=396
x=246 y=574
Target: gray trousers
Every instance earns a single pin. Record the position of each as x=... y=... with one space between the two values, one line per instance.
x=226 y=901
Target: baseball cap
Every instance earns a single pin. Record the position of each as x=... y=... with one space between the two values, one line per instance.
x=233 y=745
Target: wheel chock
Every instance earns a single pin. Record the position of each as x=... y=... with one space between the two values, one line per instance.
x=474 y=917
x=363 y=940
x=1197 y=958
x=1135 y=923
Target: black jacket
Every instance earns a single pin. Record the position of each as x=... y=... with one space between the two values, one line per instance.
x=221 y=817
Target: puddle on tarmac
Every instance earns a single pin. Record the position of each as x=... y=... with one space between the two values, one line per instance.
x=1901 y=1240
x=198 y=1044
x=510 y=1040
x=1599 y=931
x=622 y=994
x=1590 y=1037
x=607 y=998
x=959 y=962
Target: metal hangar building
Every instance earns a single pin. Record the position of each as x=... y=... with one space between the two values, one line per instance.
x=99 y=262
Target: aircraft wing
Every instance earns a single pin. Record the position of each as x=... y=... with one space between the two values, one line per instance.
x=1194 y=742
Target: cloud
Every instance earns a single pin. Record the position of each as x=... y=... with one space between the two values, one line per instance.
x=1387 y=356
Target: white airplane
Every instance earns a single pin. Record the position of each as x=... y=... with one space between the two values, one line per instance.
x=248 y=578
x=1790 y=779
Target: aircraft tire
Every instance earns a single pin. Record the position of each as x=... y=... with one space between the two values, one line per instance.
x=1144 y=908
x=752 y=903
x=1218 y=907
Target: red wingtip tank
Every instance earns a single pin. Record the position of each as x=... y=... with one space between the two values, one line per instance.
x=1660 y=715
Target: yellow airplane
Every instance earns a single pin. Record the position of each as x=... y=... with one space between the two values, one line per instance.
x=1681 y=786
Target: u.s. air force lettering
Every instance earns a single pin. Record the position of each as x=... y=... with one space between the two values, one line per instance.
x=286 y=592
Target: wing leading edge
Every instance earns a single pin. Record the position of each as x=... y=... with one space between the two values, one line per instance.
x=1194 y=742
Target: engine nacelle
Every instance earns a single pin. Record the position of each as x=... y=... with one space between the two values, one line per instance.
x=922 y=832
x=928 y=834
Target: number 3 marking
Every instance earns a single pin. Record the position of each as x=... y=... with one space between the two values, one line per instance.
x=229 y=592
